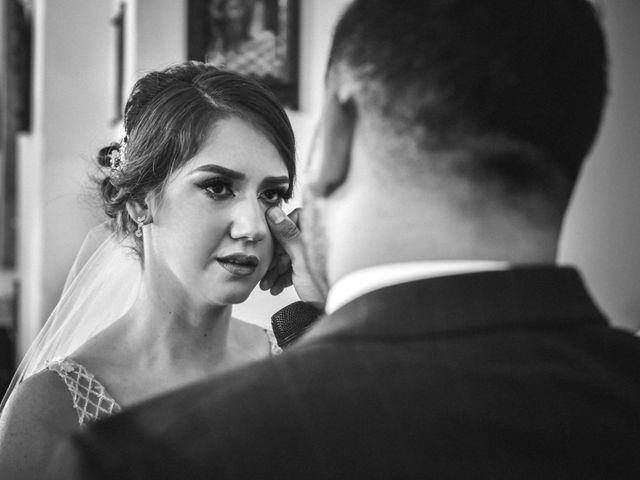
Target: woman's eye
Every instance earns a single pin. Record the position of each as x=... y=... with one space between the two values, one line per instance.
x=218 y=190
x=273 y=196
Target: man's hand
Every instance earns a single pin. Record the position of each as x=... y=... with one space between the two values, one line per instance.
x=289 y=265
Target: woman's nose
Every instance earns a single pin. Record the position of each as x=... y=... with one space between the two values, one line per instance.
x=248 y=221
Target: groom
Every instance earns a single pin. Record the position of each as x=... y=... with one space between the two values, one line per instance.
x=453 y=347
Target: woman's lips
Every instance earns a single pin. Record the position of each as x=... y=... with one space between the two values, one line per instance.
x=239 y=264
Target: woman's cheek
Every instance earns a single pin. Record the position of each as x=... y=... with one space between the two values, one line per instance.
x=271 y=249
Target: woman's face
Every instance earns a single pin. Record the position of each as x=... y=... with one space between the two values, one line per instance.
x=209 y=233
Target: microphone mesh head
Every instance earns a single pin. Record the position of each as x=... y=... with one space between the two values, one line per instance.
x=292 y=321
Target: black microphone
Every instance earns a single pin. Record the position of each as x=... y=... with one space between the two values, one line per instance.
x=292 y=321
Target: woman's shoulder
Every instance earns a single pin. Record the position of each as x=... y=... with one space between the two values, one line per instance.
x=258 y=340
x=38 y=414
x=42 y=397
x=40 y=407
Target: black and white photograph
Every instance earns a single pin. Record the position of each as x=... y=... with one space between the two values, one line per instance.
x=319 y=239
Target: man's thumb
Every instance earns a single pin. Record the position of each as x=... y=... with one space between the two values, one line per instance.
x=282 y=227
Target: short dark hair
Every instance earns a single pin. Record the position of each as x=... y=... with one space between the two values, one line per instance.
x=532 y=72
x=168 y=117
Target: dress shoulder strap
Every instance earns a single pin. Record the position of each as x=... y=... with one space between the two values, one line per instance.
x=90 y=399
x=273 y=343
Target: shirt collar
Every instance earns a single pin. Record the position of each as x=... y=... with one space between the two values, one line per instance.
x=531 y=296
x=360 y=282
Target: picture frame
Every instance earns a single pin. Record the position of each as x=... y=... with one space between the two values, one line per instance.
x=257 y=38
x=118 y=22
x=15 y=99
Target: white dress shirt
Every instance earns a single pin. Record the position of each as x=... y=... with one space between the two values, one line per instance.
x=360 y=282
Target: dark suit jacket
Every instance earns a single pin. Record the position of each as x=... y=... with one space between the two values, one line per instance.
x=512 y=374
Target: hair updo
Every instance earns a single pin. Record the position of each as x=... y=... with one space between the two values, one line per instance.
x=167 y=118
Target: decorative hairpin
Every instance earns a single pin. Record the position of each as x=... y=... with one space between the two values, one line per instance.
x=117 y=159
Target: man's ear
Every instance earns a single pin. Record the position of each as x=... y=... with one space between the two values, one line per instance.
x=330 y=165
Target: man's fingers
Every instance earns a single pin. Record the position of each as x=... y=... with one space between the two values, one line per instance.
x=268 y=280
x=277 y=254
x=280 y=264
x=295 y=216
x=288 y=253
x=272 y=276
x=283 y=228
x=276 y=289
x=283 y=282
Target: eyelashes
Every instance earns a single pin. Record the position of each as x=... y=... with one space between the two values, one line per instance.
x=273 y=197
x=222 y=189
x=217 y=188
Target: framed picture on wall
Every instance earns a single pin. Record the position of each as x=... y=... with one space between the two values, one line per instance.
x=258 y=38
x=15 y=108
x=118 y=23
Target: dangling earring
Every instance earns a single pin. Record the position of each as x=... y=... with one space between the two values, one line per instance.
x=140 y=222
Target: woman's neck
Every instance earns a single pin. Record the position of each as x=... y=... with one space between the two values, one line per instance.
x=164 y=343
x=168 y=326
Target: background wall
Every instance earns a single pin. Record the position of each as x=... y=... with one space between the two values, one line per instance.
x=602 y=230
x=74 y=85
x=72 y=111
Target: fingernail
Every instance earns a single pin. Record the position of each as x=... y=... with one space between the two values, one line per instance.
x=276 y=215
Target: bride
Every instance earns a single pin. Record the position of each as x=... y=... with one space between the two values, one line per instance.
x=206 y=154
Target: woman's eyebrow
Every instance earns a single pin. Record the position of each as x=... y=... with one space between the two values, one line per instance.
x=227 y=172
x=274 y=181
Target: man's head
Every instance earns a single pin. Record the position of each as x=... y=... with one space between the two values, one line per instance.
x=467 y=120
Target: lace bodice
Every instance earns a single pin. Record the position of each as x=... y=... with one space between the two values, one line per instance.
x=90 y=399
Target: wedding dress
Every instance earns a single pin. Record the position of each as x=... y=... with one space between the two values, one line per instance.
x=91 y=400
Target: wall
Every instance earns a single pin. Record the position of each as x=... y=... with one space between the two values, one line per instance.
x=602 y=230
x=73 y=105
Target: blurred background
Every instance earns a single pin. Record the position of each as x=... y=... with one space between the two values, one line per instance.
x=66 y=67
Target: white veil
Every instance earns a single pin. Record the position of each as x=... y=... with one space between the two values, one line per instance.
x=101 y=287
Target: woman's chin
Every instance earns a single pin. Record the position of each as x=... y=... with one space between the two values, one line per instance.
x=232 y=296
x=239 y=299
